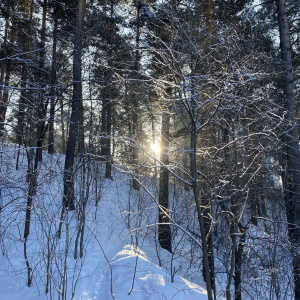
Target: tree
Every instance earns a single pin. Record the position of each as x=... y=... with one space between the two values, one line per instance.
x=180 y=60
x=76 y=121
x=164 y=230
x=292 y=171
x=108 y=92
x=8 y=11
x=135 y=90
x=53 y=79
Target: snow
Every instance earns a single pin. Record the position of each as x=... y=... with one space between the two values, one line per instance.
x=121 y=258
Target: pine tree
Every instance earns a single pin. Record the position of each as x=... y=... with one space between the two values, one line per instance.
x=292 y=176
x=76 y=134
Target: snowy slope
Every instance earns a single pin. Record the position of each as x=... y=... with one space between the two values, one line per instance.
x=121 y=258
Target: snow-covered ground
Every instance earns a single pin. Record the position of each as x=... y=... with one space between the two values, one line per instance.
x=121 y=258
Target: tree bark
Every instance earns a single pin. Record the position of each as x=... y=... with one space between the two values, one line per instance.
x=42 y=103
x=195 y=185
x=51 y=148
x=135 y=104
x=7 y=66
x=164 y=230
x=292 y=193
x=107 y=103
x=76 y=122
x=238 y=263
x=41 y=107
x=106 y=124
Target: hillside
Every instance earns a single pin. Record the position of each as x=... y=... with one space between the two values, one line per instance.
x=120 y=255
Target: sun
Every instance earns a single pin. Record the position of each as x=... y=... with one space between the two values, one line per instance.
x=155 y=147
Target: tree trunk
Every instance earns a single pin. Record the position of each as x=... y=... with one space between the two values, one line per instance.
x=164 y=230
x=51 y=148
x=7 y=66
x=206 y=198
x=107 y=106
x=106 y=122
x=62 y=120
x=292 y=194
x=33 y=168
x=135 y=104
x=238 y=263
x=24 y=94
x=108 y=141
x=76 y=125
x=41 y=103
x=194 y=174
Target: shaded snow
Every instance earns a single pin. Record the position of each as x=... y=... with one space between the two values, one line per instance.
x=112 y=266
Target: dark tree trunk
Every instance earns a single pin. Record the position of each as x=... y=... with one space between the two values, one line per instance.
x=51 y=148
x=135 y=104
x=103 y=142
x=41 y=103
x=292 y=194
x=108 y=144
x=198 y=201
x=107 y=106
x=32 y=171
x=164 y=230
x=23 y=105
x=76 y=121
x=238 y=263
x=63 y=134
x=135 y=153
x=106 y=125
x=207 y=220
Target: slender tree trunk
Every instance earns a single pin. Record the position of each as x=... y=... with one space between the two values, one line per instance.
x=235 y=209
x=5 y=98
x=21 y=112
x=164 y=230
x=199 y=207
x=209 y=30
x=42 y=104
x=292 y=194
x=62 y=120
x=23 y=106
x=153 y=140
x=51 y=148
x=6 y=69
x=207 y=220
x=206 y=203
x=31 y=174
x=108 y=141
x=207 y=271
x=238 y=263
x=103 y=150
x=106 y=126
x=135 y=104
x=206 y=194
x=106 y=116
x=3 y=65
x=33 y=168
x=76 y=125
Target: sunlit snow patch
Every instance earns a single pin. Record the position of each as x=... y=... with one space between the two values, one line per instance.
x=135 y=277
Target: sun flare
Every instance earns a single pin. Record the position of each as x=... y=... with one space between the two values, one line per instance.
x=155 y=148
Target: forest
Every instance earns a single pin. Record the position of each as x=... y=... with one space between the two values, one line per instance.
x=175 y=121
